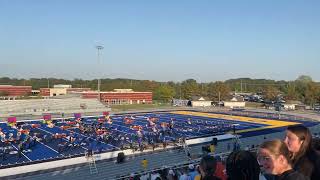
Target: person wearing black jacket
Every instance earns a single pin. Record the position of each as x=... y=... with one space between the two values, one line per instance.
x=290 y=175
x=274 y=157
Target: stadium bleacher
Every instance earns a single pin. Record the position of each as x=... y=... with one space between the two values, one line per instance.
x=49 y=106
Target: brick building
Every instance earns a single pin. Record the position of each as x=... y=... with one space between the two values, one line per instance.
x=121 y=96
x=9 y=90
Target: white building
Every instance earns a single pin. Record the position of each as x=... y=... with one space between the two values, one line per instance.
x=235 y=102
x=293 y=105
x=200 y=102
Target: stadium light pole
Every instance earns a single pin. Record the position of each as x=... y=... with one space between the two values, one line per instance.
x=99 y=48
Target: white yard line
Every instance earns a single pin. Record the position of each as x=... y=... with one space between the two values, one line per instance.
x=49 y=147
x=21 y=152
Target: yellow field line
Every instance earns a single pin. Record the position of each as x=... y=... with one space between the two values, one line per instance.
x=270 y=122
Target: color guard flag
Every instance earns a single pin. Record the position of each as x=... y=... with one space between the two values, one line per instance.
x=47 y=117
x=12 y=119
x=77 y=115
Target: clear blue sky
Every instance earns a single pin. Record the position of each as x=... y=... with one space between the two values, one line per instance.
x=162 y=40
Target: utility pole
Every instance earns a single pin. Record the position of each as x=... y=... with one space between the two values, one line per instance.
x=99 y=80
x=219 y=99
x=202 y=88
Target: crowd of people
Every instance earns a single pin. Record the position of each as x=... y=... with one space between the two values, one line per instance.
x=294 y=158
x=128 y=132
x=18 y=140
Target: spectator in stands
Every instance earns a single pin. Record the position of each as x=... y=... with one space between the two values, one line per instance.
x=220 y=169
x=184 y=175
x=274 y=157
x=242 y=165
x=145 y=176
x=137 y=177
x=172 y=175
x=207 y=169
x=304 y=158
x=212 y=148
x=192 y=172
x=155 y=175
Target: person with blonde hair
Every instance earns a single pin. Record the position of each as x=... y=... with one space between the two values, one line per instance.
x=274 y=157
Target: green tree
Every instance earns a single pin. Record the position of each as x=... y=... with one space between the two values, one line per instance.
x=189 y=88
x=271 y=93
x=311 y=93
x=164 y=93
x=306 y=89
x=216 y=88
x=291 y=92
x=304 y=79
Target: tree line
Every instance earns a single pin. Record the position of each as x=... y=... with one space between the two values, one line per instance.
x=303 y=88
